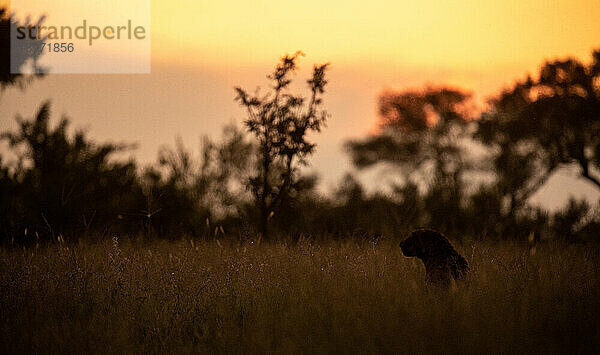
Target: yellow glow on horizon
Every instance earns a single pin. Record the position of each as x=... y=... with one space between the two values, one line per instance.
x=447 y=34
x=461 y=36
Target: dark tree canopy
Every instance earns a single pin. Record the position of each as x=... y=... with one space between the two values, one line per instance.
x=58 y=175
x=28 y=54
x=280 y=122
x=542 y=124
x=422 y=136
x=419 y=130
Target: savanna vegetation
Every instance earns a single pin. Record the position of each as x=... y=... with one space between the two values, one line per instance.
x=233 y=249
x=456 y=170
x=331 y=297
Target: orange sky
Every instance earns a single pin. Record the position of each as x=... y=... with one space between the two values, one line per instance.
x=201 y=49
x=458 y=34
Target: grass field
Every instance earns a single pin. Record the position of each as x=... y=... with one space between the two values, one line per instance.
x=307 y=298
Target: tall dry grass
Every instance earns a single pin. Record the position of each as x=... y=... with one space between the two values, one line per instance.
x=306 y=298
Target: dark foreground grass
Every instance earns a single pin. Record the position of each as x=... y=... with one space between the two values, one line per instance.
x=323 y=298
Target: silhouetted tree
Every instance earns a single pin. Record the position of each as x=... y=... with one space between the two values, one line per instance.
x=360 y=215
x=63 y=183
x=542 y=124
x=26 y=52
x=192 y=196
x=567 y=222
x=280 y=121
x=422 y=135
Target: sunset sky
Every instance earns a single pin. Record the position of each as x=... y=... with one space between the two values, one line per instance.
x=202 y=49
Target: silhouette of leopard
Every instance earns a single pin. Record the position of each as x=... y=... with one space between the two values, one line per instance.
x=442 y=261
